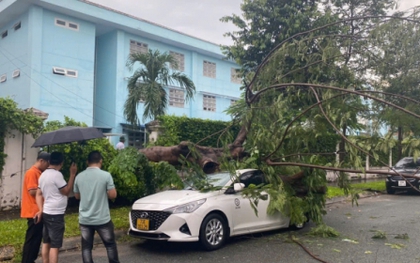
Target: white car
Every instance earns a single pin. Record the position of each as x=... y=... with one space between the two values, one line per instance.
x=208 y=217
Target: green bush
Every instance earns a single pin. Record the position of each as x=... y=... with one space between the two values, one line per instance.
x=205 y=132
x=135 y=177
x=78 y=152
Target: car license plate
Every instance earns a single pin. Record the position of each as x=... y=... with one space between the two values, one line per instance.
x=142 y=224
x=401 y=183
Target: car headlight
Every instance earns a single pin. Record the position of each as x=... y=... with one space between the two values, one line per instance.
x=186 y=208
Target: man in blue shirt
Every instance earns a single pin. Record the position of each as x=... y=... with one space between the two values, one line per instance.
x=94 y=187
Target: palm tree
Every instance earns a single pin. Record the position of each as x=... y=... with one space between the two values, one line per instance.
x=148 y=83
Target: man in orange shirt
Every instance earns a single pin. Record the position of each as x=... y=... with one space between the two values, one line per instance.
x=29 y=208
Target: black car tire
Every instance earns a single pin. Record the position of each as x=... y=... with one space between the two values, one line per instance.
x=300 y=226
x=213 y=232
x=390 y=191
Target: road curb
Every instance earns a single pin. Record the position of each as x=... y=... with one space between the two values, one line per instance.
x=7 y=253
x=348 y=198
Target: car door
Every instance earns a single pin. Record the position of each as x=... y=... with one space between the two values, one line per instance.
x=244 y=218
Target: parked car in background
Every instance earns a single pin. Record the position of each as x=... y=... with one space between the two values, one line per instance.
x=209 y=217
x=407 y=165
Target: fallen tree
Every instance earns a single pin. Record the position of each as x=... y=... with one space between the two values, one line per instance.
x=309 y=84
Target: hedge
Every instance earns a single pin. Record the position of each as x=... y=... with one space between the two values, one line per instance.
x=204 y=132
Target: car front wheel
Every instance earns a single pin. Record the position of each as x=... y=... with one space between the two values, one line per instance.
x=301 y=225
x=213 y=232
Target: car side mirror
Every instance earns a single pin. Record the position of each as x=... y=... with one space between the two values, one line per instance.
x=238 y=187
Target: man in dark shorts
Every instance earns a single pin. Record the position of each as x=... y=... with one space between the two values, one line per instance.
x=29 y=208
x=51 y=198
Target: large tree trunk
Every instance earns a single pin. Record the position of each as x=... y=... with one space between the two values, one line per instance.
x=208 y=157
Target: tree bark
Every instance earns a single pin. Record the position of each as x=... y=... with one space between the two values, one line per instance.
x=207 y=157
x=400 y=138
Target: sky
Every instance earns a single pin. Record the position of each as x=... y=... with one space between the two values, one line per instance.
x=199 y=18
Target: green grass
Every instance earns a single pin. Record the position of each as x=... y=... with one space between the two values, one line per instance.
x=334 y=191
x=13 y=231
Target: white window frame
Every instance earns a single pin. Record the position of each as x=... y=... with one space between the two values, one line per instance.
x=66 y=24
x=209 y=102
x=209 y=69
x=59 y=71
x=180 y=59
x=17 y=26
x=3 y=78
x=234 y=77
x=176 y=98
x=138 y=47
x=65 y=72
x=16 y=73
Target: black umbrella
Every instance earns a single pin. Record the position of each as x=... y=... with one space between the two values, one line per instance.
x=68 y=134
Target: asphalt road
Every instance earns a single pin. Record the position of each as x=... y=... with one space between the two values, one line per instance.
x=392 y=215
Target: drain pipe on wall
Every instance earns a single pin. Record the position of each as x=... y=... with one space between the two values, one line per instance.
x=22 y=168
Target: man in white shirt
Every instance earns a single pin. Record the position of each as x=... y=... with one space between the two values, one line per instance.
x=120 y=145
x=51 y=198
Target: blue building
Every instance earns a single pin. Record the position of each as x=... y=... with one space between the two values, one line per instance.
x=68 y=58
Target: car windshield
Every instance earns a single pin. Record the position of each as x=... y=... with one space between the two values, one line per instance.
x=408 y=163
x=218 y=179
x=215 y=180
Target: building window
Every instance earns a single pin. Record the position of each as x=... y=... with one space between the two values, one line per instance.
x=60 y=22
x=65 y=72
x=209 y=69
x=138 y=47
x=73 y=26
x=17 y=26
x=71 y=73
x=66 y=24
x=16 y=73
x=209 y=103
x=176 y=98
x=3 y=78
x=4 y=34
x=180 y=60
x=59 y=71
x=234 y=76
x=232 y=102
x=135 y=137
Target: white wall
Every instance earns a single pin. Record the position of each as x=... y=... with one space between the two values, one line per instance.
x=20 y=157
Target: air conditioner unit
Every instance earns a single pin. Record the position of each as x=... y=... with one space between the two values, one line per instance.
x=16 y=73
x=59 y=71
x=3 y=78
